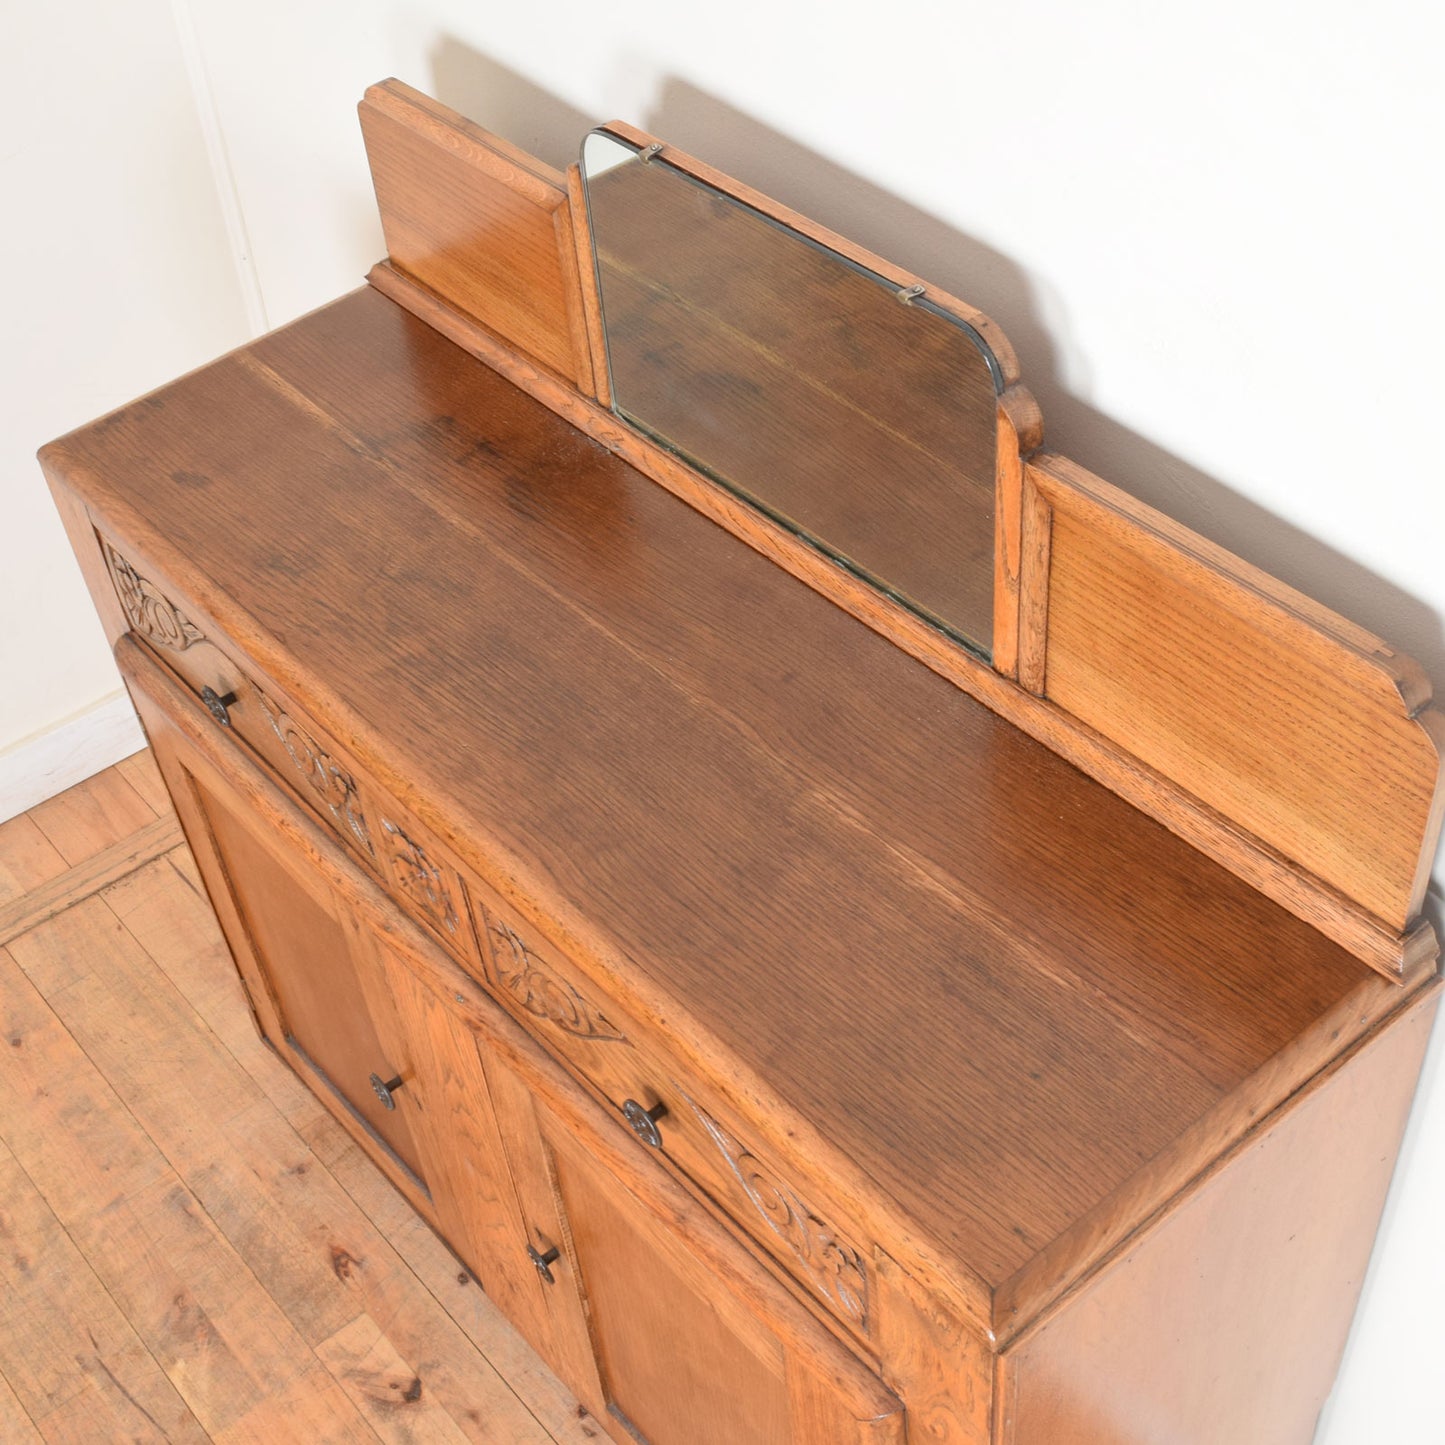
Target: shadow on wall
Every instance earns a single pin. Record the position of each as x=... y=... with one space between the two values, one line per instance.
x=530 y=117
x=500 y=100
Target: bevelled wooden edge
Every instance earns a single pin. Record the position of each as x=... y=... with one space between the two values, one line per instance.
x=1036 y=531
x=483 y=223
x=1339 y=1134
x=1020 y=432
x=575 y=288
x=1308 y=732
x=989 y=330
x=1393 y=952
x=1097 y=1234
x=587 y=286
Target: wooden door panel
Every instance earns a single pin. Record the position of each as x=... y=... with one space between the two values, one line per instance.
x=664 y=1325
x=294 y=882
x=315 y=989
x=676 y=1363
x=313 y=968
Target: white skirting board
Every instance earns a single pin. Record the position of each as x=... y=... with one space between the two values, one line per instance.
x=49 y=762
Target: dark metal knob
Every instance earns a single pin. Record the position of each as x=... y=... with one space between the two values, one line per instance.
x=219 y=706
x=644 y=1121
x=385 y=1089
x=544 y=1262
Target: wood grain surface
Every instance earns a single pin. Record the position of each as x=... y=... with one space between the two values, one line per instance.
x=1306 y=730
x=1024 y=619
x=897 y=930
x=481 y=223
x=192 y=1249
x=1225 y=1319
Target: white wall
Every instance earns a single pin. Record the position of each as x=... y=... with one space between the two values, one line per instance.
x=118 y=275
x=1210 y=231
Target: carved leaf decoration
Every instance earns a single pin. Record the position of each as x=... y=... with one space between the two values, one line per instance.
x=541 y=993
x=328 y=779
x=419 y=878
x=148 y=610
x=836 y=1270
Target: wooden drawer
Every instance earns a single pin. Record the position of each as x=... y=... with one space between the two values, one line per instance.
x=298 y=754
x=828 y=1256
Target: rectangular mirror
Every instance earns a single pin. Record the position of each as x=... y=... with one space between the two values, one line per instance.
x=861 y=416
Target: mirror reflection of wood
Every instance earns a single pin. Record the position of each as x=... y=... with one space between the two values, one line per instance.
x=802 y=382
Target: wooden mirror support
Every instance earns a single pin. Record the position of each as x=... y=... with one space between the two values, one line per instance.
x=804 y=1030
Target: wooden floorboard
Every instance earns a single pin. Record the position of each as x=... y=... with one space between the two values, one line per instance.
x=92 y=815
x=191 y=1248
x=72 y=1358
x=16 y=1426
x=141 y=772
x=29 y=910
x=28 y=859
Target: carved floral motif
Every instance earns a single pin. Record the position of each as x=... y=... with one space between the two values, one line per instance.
x=328 y=779
x=419 y=878
x=149 y=611
x=836 y=1270
x=544 y=996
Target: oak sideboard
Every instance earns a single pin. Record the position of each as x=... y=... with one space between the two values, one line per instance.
x=851 y=927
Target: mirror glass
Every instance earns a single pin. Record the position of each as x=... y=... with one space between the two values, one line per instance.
x=862 y=419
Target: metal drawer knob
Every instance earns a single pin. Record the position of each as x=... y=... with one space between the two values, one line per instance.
x=384 y=1089
x=644 y=1121
x=544 y=1262
x=218 y=706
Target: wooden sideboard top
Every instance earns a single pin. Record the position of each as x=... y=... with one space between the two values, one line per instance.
x=999 y=988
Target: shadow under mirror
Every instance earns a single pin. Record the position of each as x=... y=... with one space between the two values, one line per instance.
x=861 y=417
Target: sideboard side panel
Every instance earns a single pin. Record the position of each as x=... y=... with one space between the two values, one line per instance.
x=1226 y=1317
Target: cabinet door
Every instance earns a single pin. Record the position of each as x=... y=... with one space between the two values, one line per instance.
x=476 y=1206
x=317 y=990
x=664 y=1324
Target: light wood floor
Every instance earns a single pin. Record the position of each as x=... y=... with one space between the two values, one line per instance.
x=190 y=1247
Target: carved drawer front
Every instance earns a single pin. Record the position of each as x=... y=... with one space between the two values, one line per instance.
x=827 y=1254
x=416 y=870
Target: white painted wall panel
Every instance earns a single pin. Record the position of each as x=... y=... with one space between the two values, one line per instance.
x=118 y=275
